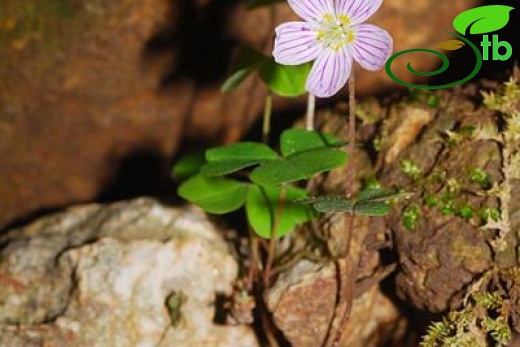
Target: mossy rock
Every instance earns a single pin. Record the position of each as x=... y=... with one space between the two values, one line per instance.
x=447 y=248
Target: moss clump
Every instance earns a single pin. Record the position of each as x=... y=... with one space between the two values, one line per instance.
x=486 y=318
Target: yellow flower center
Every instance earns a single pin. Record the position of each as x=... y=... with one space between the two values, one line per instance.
x=334 y=31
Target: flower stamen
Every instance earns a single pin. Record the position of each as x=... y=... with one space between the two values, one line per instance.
x=334 y=32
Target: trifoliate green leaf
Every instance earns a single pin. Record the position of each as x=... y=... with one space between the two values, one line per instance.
x=298 y=140
x=238 y=156
x=242 y=151
x=263 y=207
x=285 y=80
x=299 y=166
x=247 y=61
x=214 y=194
x=337 y=204
x=188 y=165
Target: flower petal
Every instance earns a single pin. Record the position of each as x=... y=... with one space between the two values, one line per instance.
x=312 y=10
x=295 y=43
x=329 y=73
x=358 y=11
x=372 y=46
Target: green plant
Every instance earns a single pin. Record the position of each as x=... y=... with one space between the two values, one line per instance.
x=288 y=81
x=411 y=216
x=465 y=212
x=446 y=194
x=411 y=169
x=254 y=175
x=480 y=177
x=369 y=202
x=267 y=182
x=486 y=316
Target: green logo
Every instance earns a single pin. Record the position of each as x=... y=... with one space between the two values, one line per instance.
x=480 y=20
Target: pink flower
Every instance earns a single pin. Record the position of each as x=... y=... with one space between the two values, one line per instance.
x=333 y=35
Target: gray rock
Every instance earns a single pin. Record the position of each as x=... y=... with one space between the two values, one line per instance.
x=128 y=274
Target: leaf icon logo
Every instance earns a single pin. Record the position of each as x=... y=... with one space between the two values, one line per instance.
x=451 y=45
x=482 y=20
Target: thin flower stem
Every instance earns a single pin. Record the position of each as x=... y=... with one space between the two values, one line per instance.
x=311 y=109
x=254 y=241
x=346 y=280
x=263 y=244
x=269 y=330
x=351 y=136
x=268 y=110
x=351 y=174
x=253 y=258
x=267 y=325
x=349 y=217
x=274 y=236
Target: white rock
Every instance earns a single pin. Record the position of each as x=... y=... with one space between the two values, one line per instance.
x=119 y=273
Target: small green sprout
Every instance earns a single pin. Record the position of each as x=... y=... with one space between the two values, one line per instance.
x=448 y=206
x=377 y=144
x=431 y=201
x=372 y=183
x=465 y=212
x=410 y=169
x=433 y=101
x=411 y=217
x=489 y=214
x=480 y=177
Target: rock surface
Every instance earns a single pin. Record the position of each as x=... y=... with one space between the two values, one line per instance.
x=437 y=258
x=303 y=305
x=444 y=252
x=304 y=297
x=130 y=274
x=111 y=86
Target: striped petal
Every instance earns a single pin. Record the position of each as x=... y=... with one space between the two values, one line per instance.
x=312 y=10
x=372 y=46
x=329 y=73
x=358 y=11
x=295 y=44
